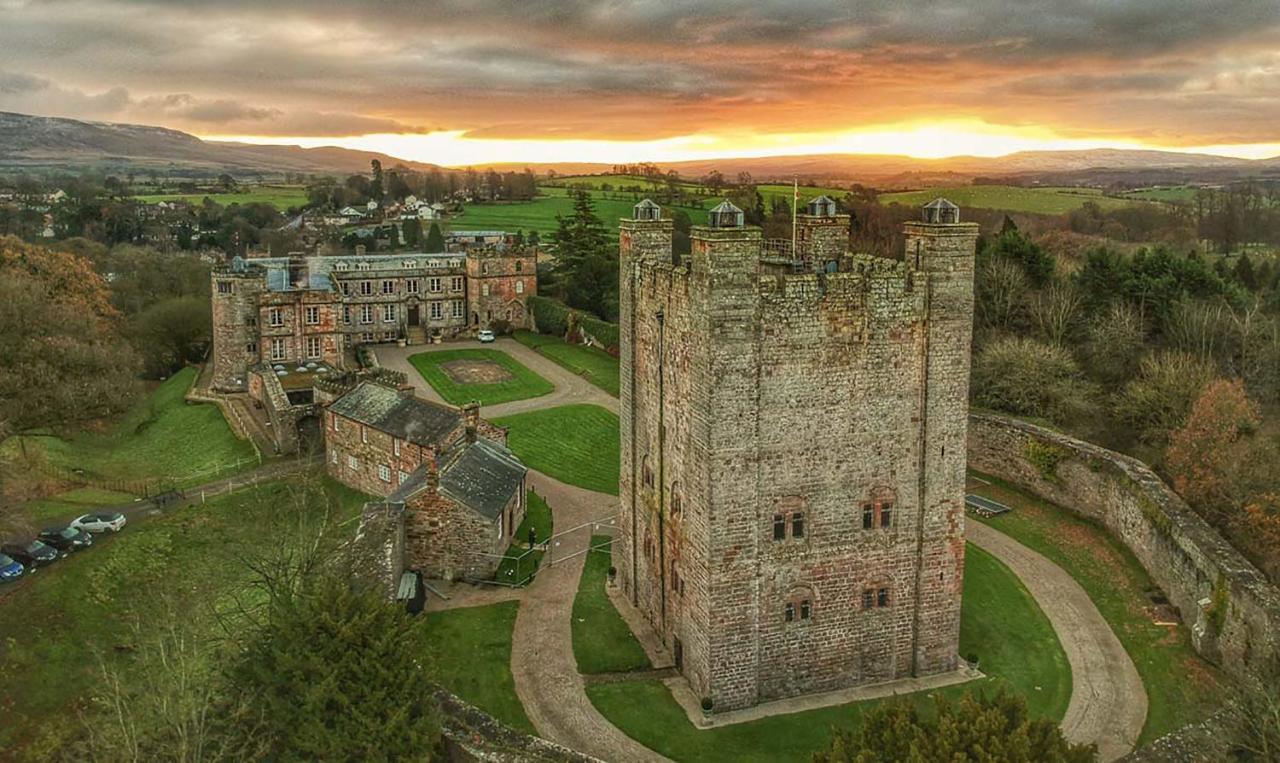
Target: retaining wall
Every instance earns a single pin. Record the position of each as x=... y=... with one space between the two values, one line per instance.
x=1232 y=609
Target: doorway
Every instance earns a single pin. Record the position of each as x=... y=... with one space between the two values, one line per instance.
x=413 y=315
x=677 y=651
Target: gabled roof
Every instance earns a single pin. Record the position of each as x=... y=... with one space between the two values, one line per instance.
x=726 y=206
x=406 y=417
x=484 y=477
x=940 y=203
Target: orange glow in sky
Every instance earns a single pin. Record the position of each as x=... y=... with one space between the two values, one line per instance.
x=932 y=140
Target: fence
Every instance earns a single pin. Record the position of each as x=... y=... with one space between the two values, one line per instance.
x=520 y=570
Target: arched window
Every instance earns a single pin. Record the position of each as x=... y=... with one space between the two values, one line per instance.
x=676 y=503
x=646 y=473
x=519 y=268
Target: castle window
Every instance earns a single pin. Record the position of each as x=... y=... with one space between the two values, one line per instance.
x=519 y=266
x=312 y=315
x=458 y=311
x=886 y=514
x=366 y=336
x=484 y=290
x=882 y=597
x=346 y=288
x=388 y=313
x=484 y=268
x=646 y=474
x=224 y=287
x=353 y=463
x=519 y=287
x=456 y=283
x=434 y=284
x=805 y=609
x=868 y=516
x=675 y=577
x=314 y=347
x=277 y=349
x=395 y=446
x=366 y=288
x=346 y=315
x=675 y=501
x=437 y=311
x=333 y=421
x=251 y=348
x=789 y=612
x=251 y=321
x=366 y=313
x=868 y=598
x=384 y=472
x=275 y=317
x=388 y=287
x=797 y=525
x=402 y=477
x=411 y=286
x=779 y=527
x=333 y=456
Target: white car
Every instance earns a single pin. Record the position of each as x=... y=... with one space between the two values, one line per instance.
x=100 y=523
x=486 y=336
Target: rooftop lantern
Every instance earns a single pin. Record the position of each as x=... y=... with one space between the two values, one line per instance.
x=726 y=215
x=822 y=206
x=941 y=212
x=647 y=210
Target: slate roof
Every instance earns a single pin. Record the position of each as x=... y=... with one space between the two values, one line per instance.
x=319 y=268
x=404 y=416
x=483 y=477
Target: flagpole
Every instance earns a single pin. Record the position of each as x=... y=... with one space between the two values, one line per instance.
x=795 y=199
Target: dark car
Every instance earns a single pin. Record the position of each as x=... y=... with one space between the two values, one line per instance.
x=66 y=538
x=9 y=568
x=32 y=554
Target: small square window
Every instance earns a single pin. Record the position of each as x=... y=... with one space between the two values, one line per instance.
x=789 y=613
x=779 y=527
x=224 y=287
x=868 y=517
x=868 y=599
x=388 y=287
x=805 y=609
x=882 y=597
x=384 y=472
x=353 y=463
x=797 y=525
x=886 y=515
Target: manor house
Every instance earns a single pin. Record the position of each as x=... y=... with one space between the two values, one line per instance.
x=299 y=310
x=793 y=426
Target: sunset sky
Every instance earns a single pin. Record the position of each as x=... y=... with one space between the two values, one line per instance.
x=597 y=80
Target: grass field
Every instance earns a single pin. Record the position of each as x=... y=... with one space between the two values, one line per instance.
x=540 y=214
x=591 y=363
x=522 y=384
x=1000 y=621
x=1181 y=688
x=282 y=197
x=1179 y=193
x=519 y=567
x=161 y=438
x=602 y=642
x=471 y=657
x=1049 y=201
x=55 y=624
x=576 y=444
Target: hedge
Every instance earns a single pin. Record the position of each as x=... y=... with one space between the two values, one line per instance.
x=603 y=332
x=557 y=319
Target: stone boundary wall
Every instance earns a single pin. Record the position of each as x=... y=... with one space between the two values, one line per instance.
x=1193 y=743
x=1232 y=609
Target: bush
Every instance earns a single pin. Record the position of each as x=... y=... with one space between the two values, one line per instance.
x=556 y=319
x=1158 y=401
x=602 y=332
x=1031 y=378
x=550 y=316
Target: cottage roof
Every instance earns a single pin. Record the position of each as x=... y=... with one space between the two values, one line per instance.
x=387 y=410
x=484 y=477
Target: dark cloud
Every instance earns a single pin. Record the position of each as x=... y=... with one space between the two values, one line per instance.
x=614 y=68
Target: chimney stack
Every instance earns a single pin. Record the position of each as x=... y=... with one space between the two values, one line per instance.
x=471 y=419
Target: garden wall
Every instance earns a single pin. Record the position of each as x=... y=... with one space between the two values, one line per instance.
x=1232 y=609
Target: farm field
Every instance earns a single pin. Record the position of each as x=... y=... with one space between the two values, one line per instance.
x=282 y=197
x=540 y=214
x=1000 y=622
x=162 y=438
x=440 y=370
x=96 y=604
x=1047 y=201
x=1172 y=194
x=1181 y=687
x=576 y=444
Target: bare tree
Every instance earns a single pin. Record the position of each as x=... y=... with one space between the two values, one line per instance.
x=1055 y=312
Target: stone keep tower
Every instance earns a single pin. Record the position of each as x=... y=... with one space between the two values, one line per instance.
x=793 y=435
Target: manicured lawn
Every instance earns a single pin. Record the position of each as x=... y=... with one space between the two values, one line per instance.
x=1181 y=687
x=56 y=624
x=591 y=363
x=471 y=657
x=602 y=642
x=281 y=197
x=161 y=438
x=1049 y=201
x=537 y=516
x=79 y=501
x=520 y=384
x=1026 y=655
x=576 y=444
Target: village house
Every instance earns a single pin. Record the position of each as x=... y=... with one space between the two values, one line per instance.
x=462 y=490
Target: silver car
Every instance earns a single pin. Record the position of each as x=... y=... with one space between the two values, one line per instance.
x=112 y=521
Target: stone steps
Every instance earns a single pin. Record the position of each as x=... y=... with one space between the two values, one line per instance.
x=415 y=335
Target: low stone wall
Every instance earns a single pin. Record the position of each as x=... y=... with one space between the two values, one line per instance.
x=1232 y=609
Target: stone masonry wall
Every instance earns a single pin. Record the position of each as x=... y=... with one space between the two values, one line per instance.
x=447 y=540
x=235 y=342
x=1233 y=611
x=499 y=285
x=345 y=439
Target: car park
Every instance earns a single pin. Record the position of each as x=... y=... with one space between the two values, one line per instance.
x=10 y=568
x=66 y=538
x=100 y=522
x=32 y=554
x=486 y=336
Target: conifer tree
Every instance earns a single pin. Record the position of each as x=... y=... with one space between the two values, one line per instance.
x=435 y=240
x=586 y=261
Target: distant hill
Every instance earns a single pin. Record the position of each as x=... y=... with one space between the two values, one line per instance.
x=51 y=143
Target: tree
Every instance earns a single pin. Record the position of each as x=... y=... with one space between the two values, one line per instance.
x=1116 y=339
x=171 y=333
x=435 y=240
x=977 y=728
x=1027 y=377
x=1001 y=289
x=412 y=231
x=63 y=360
x=337 y=673
x=1034 y=260
x=586 y=264
x=1159 y=399
x=375 y=185
x=1202 y=452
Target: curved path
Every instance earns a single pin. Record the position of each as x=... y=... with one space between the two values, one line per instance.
x=569 y=387
x=1108 y=701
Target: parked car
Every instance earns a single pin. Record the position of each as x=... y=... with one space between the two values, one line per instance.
x=66 y=538
x=32 y=554
x=100 y=522
x=486 y=336
x=10 y=569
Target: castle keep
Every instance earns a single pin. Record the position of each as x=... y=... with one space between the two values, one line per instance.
x=793 y=423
